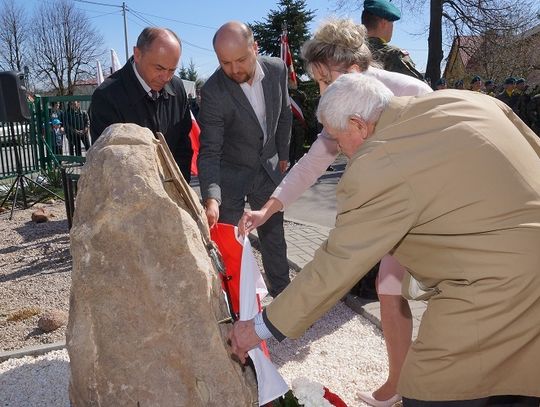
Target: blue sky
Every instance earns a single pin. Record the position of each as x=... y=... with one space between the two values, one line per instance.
x=195 y=21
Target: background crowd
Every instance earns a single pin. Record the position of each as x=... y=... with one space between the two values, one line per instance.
x=515 y=92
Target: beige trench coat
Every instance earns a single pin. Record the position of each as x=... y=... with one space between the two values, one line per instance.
x=450 y=183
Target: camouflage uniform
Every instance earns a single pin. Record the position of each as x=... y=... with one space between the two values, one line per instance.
x=393 y=58
x=510 y=99
x=522 y=105
x=534 y=114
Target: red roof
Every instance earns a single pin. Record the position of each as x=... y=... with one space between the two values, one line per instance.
x=84 y=82
x=468 y=45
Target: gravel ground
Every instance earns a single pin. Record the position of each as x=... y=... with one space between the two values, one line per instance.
x=342 y=351
x=35 y=274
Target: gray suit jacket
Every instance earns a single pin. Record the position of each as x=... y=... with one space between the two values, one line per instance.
x=231 y=151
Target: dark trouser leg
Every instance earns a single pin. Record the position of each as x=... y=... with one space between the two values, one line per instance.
x=86 y=141
x=272 y=241
x=72 y=139
x=77 y=139
x=274 y=253
x=493 y=401
x=231 y=210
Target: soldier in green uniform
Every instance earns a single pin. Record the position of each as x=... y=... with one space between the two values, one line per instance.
x=490 y=88
x=522 y=100
x=507 y=95
x=378 y=17
x=459 y=84
x=534 y=113
x=476 y=84
x=441 y=84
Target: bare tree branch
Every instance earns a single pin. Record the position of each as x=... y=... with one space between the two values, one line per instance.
x=14 y=36
x=504 y=19
x=65 y=45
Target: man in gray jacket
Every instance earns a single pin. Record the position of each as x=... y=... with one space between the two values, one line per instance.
x=245 y=120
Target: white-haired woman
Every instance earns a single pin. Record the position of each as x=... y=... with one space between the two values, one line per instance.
x=339 y=47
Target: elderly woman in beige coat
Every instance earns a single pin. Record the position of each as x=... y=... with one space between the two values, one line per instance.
x=449 y=183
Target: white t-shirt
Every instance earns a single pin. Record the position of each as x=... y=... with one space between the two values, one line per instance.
x=255 y=96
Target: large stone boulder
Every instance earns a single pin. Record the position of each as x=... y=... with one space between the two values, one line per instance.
x=145 y=297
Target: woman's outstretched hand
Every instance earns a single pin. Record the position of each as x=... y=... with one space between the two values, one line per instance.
x=253 y=219
x=250 y=220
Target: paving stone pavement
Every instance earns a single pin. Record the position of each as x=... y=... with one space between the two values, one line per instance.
x=303 y=239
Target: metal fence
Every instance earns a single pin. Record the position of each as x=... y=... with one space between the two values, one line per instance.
x=31 y=146
x=19 y=149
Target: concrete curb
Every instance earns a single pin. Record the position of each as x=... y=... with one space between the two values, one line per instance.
x=32 y=351
x=313 y=225
x=254 y=239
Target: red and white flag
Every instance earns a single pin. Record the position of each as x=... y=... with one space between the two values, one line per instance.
x=286 y=56
x=195 y=143
x=246 y=289
x=297 y=111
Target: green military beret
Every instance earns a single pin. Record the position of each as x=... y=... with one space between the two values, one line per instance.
x=440 y=82
x=510 y=81
x=383 y=9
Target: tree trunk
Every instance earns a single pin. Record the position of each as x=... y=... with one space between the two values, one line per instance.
x=435 y=52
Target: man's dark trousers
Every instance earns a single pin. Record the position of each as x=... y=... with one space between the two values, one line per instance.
x=271 y=234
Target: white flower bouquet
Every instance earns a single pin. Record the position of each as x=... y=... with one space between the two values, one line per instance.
x=308 y=393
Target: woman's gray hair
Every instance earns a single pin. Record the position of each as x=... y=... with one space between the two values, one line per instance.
x=337 y=43
x=353 y=94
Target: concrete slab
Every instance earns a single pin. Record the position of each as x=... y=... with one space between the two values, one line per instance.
x=32 y=350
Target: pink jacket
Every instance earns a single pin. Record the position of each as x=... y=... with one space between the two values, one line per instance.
x=324 y=151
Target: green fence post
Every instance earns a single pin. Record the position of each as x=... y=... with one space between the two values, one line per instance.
x=40 y=132
x=34 y=133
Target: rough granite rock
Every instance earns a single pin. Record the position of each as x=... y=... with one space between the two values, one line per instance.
x=52 y=319
x=145 y=298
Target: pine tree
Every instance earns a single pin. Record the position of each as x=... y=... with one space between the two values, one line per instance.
x=190 y=74
x=267 y=33
x=183 y=72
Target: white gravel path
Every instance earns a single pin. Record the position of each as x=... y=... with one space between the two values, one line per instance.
x=33 y=382
x=342 y=351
